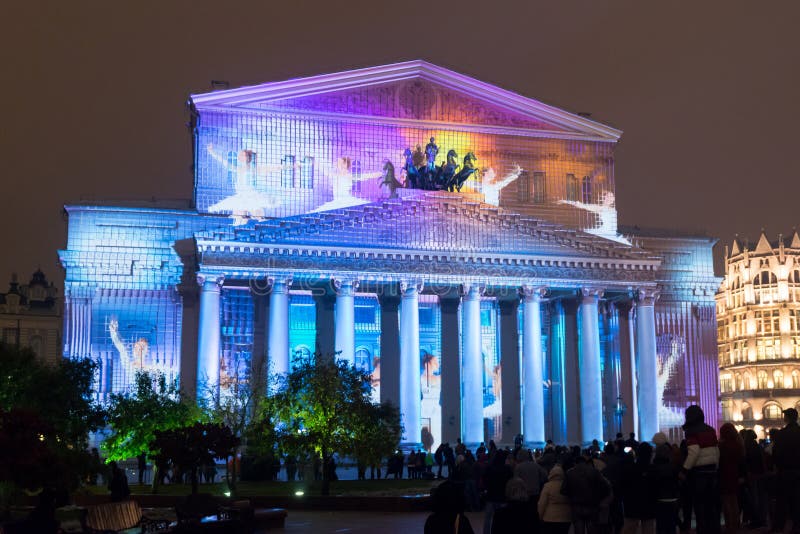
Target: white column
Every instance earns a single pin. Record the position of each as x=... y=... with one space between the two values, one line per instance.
x=589 y=368
x=472 y=366
x=345 y=333
x=208 y=341
x=646 y=364
x=533 y=385
x=410 y=377
x=278 y=328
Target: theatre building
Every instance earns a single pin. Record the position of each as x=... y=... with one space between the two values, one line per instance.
x=456 y=240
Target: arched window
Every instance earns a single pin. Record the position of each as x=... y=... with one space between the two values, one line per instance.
x=739 y=382
x=736 y=283
x=777 y=378
x=763 y=379
x=586 y=190
x=796 y=379
x=363 y=359
x=748 y=380
x=773 y=411
x=794 y=277
x=765 y=278
x=747 y=411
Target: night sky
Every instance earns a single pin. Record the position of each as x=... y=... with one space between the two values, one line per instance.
x=706 y=93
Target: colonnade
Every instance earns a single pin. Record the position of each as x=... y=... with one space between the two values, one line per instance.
x=462 y=367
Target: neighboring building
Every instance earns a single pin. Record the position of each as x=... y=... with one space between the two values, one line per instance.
x=492 y=296
x=30 y=316
x=758 y=319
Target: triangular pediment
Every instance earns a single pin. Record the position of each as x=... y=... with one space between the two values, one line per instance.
x=414 y=90
x=436 y=222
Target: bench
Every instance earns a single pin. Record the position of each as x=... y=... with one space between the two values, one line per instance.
x=120 y=517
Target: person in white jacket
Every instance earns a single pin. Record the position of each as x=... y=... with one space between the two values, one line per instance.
x=555 y=510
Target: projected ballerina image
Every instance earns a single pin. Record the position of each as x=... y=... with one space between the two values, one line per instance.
x=492 y=185
x=342 y=180
x=248 y=201
x=135 y=355
x=606 y=212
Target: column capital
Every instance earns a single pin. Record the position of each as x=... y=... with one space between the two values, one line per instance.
x=344 y=286
x=471 y=290
x=532 y=293
x=279 y=284
x=647 y=296
x=411 y=287
x=205 y=278
x=591 y=294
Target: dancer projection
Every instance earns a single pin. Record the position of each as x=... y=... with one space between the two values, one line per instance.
x=135 y=356
x=606 y=213
x=493 y=185
x=248 y=201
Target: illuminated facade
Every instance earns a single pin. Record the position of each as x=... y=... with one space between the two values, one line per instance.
x=456 y=240
x=30 y=316
x=758 y=318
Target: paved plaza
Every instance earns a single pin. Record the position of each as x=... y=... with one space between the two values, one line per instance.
x=363 y=522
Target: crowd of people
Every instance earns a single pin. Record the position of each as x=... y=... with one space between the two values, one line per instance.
x=732 y=479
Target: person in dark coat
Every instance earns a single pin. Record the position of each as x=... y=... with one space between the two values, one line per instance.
x=731 y=474
x=118 y=484
x=756 y=503
x=786 y=457
x=448 y=510
x=638 y=491
x=586 y=488
x=664 y=477
x=497 y=476
x=517 y=516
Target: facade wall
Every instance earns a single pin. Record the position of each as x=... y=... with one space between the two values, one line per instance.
x=685 y=326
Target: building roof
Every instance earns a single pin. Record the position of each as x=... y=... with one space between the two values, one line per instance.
x=254 y=97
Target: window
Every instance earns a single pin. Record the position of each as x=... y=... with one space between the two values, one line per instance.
x=307 y=173
x=764 y=278
x=572 y=187
x=524 y=187
x=777 y=378
x=739 y=382
x=763 y=379
x=426 y=316
x=586 y=190
x=363 y=359
x=287 y=172
x=356 y=171
x=796 y=379
x=364 y=314
x=772 y=411
x=539 y=188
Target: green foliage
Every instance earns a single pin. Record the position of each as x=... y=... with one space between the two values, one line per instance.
x=47 y=411
x=191 y=447
x=324 y=406
x=60 y=393
x=316 y=403
x=134 y=417
x=377 y=433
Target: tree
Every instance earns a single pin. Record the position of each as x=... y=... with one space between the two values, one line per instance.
x=133 y=418
x=50 y=408
x=320 y=406
x=234 y=402
x=378 y=432
x=191 y=447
